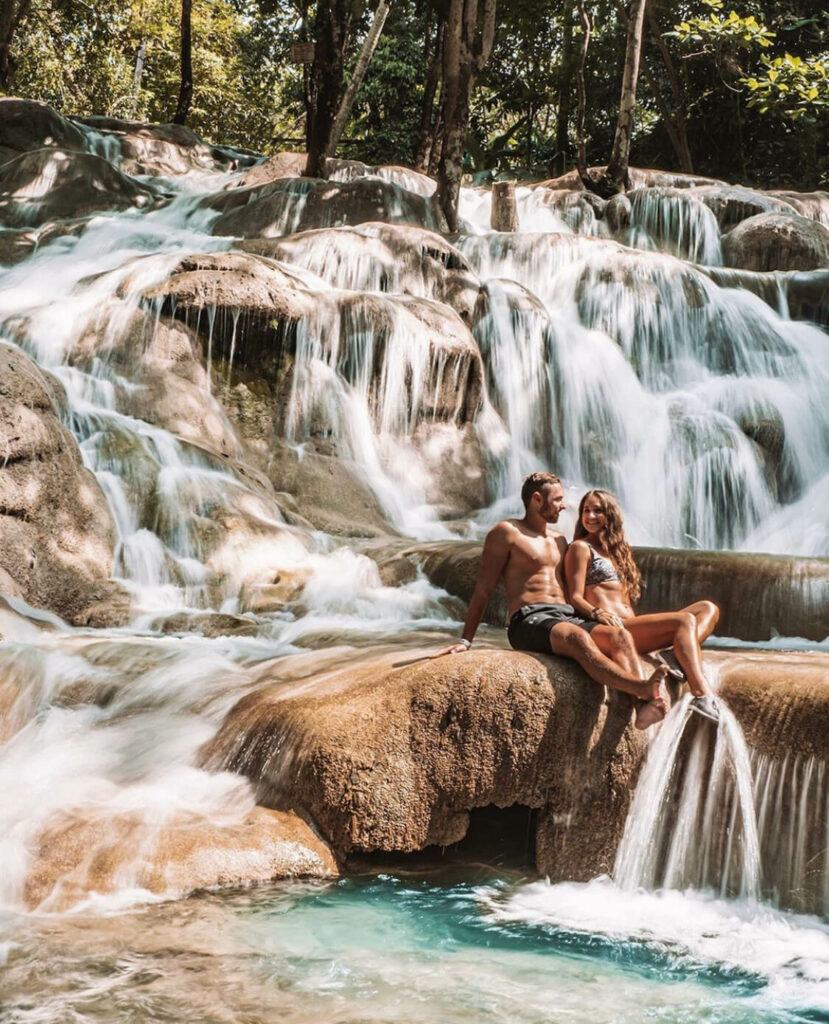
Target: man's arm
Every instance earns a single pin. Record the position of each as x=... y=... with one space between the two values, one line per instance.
x=493 y=562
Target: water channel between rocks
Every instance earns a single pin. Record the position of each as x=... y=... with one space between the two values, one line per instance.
x=437 y=375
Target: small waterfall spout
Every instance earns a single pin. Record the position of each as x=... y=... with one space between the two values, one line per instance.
x=692 y=823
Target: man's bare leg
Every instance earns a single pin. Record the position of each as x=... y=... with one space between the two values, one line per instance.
x=573 y=642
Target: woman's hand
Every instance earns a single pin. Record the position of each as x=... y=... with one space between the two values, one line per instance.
x=456 y=648
x=608 y=618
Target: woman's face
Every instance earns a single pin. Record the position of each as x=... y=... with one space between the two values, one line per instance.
x=592 y=515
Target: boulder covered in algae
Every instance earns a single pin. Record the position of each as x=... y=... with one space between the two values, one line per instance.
x=777 y=241
x=56 y=530
x=75 y=859
x=395 y=754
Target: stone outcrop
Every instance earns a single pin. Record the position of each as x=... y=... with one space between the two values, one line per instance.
x=640 y=177
x=54 y=184
x=732 y=204
x=299 y=204
x=76 y=858
x=777 y=241
x=806 y=292
x=758 y=595
x=292 y=165
x=56 y=533
x=159 y=149
x=394 y=757
x=27 y=124
x=379 y=257
x=788 y=595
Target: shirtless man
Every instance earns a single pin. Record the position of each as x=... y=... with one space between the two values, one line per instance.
x=530 y=557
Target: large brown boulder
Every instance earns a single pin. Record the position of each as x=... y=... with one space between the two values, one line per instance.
x=79 y=184
x=777 y=241
x=394 y=757
x=27 y=124
x=76 y=858
x=298 y=204
x=56 y=531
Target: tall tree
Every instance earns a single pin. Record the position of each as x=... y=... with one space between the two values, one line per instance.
x=558 y=164
x=366 y=53
x=615 y=178
x=12 y=13
x=185 y=95
x=325 y=86
x=432 y=56
x=466 y=49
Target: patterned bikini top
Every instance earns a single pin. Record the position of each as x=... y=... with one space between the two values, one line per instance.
x=600 y=570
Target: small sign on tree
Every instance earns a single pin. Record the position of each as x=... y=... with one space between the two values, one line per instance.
x=302 y=53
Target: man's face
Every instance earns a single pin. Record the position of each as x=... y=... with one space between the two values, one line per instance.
x=552 y=502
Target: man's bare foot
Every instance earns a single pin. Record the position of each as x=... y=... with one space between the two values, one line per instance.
x=654 y=686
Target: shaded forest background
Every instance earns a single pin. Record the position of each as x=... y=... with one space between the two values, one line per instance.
x=741 y=95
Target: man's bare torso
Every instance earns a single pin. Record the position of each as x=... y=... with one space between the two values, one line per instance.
x=533 y=570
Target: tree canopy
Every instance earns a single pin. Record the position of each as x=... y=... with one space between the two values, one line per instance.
x=736 y=92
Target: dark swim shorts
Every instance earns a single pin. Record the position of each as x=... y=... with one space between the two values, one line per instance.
x=529 y=628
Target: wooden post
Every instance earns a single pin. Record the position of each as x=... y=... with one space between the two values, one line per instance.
x=504 y=213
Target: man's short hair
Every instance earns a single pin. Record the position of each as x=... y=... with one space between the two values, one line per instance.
x=536 y=482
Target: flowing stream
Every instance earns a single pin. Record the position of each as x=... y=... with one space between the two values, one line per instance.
x=701 y=406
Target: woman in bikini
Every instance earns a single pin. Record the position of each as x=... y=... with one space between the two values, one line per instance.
x=603 y=583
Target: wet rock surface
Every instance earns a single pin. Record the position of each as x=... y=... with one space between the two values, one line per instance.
x=777 y=241
x=289 y=205
x=51 y=184
x=76 y=859
x=162 y=149
x=393 y=755
x=56 y=530
x=26 y=125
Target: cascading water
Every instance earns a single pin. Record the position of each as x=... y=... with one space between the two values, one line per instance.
x=692 y=823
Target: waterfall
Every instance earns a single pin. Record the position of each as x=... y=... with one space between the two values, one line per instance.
x=692 y=821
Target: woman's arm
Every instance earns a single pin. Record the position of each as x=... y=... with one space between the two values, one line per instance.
x=576 y=563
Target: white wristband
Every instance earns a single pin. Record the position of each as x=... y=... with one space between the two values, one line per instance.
x=467 y=643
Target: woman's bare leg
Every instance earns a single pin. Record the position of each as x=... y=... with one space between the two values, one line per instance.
x=707 y=615
x=671 y=629
x=593 y=652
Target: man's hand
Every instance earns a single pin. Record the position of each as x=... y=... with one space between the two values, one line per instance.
x=457 y=648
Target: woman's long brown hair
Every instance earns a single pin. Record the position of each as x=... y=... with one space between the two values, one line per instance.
x=613 y=541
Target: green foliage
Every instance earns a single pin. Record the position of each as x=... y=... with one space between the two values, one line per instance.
x=791 y=87
x=716 y=31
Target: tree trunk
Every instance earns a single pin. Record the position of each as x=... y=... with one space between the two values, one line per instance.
x=326 y=79
x=428 y=121
x=581 y=145
x=185 y=95
x=465 y=51
x=680 y=105
x=366 y=53
x=11 y=15
x=616 y=177
x=558 y=165
x=503 y=213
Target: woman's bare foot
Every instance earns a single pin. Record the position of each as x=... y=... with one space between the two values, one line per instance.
x=654 y=710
